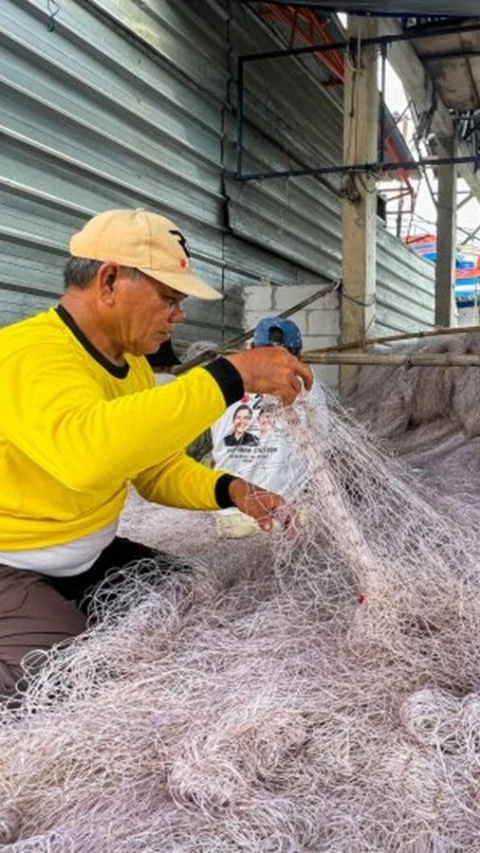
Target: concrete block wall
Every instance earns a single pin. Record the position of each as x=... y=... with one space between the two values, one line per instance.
x=319 y=322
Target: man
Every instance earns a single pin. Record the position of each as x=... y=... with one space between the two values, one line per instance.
x=277 y=331
x=265 y=422
x=270 y=460
x=241 y=419
x=82 y=418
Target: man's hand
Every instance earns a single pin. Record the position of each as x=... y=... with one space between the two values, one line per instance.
x=272 y=370
x=261 y=505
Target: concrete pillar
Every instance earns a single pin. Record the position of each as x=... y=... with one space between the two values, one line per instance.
x=445 y=311
x=359 y=205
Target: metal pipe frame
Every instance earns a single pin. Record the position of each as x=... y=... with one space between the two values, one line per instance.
x=408 y=35
x=377 y=168
x=319 y=6
x=382 y=111
x=370 y=168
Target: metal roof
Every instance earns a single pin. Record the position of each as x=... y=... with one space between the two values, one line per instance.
x=328 y=69
x=453 y=61
x=392 y=8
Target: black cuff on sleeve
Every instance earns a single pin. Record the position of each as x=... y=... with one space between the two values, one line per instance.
x=221 y=491
x=228 y=378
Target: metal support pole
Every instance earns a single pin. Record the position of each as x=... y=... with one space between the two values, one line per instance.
x=359 y=205
x=446 y=239
x=371 y=166
x=420 y=359
x=382 y=108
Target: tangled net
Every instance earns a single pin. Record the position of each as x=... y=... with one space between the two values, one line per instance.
x=290 y=694
x=429 y=415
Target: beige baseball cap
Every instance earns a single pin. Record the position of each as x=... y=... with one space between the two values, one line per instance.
x=147 y=241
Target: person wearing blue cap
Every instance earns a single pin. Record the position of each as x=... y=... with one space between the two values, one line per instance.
x=276 y=331
x=256 y=449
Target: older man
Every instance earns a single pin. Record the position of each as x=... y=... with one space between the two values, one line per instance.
x=82 y=418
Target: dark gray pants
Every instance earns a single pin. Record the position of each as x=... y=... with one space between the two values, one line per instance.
x=37 y=611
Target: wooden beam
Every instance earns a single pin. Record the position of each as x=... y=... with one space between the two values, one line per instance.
x=362 y=343
x=414 y=359
x=359 y=204
x=446 y=239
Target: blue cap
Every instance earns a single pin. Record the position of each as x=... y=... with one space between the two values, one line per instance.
x=275 y=331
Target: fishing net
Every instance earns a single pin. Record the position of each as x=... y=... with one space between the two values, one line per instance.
x=304 y=691
x=430 y=416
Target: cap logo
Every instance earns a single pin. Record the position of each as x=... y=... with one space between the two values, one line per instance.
x=181 y=240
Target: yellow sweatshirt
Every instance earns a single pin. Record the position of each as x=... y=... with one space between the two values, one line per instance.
x=75 y=429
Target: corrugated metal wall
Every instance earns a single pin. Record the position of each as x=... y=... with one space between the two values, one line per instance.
x=290 y=121
x=405 y=288
x=129 y=103
x=299 y=218
x=91 y=121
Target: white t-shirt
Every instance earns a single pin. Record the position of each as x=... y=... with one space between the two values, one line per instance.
x=62 y=561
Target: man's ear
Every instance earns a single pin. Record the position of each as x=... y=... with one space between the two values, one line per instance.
x=107 y=277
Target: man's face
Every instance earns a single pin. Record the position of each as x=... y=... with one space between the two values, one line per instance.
x=147 y=314
x=265 y=422
x=241 y=421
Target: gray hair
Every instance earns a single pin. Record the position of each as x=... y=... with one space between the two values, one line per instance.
x=79 y=272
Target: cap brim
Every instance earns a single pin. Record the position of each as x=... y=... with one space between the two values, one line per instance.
x=184 y=282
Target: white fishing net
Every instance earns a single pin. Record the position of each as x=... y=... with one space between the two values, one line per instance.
x=429 y=415
x=309 y=693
